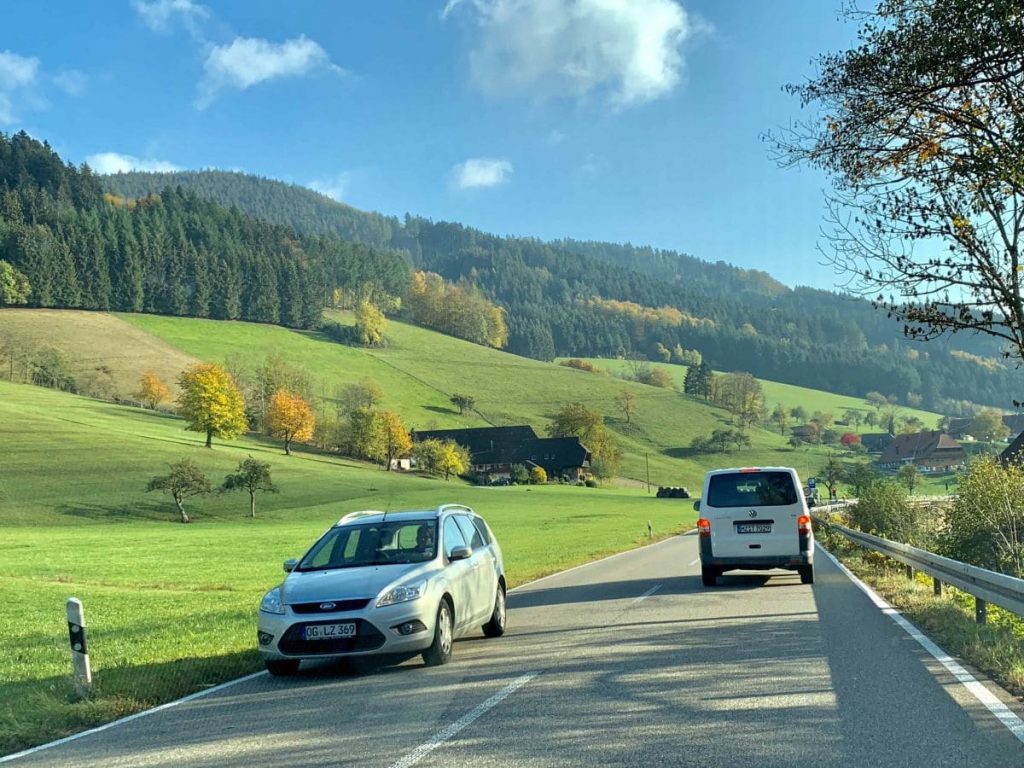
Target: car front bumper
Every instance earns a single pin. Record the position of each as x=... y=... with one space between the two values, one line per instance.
x=378 y=631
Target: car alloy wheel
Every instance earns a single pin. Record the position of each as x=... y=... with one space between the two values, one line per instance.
x=496 y=626
x=440 y=651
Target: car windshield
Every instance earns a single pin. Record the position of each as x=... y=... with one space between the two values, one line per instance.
x=382 y=543
x=752 y=489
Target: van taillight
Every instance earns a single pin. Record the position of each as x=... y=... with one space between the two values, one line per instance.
x=704 y=527
x=803 y=523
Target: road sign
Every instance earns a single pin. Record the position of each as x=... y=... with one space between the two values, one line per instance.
x=812 y=482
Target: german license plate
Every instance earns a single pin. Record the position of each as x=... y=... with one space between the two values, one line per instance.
x=754 y=528
x=330 y=631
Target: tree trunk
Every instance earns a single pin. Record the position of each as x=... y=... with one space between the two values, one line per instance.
x=287 y=447
x=181 y=508
x=209 y=438
x=252 y=504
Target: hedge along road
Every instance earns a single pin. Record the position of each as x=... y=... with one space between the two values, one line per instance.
x=628 y=661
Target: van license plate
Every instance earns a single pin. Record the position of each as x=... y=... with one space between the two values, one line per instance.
x=330 y=631
x=754 y=528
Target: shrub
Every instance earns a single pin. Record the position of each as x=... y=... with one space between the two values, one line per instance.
x=884 y=510
x=590 y=482
x=520 y=474
x=985 y=526
x=581 y=365
x=538 y=476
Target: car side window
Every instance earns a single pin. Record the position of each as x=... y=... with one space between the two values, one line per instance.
x=452 y=537
x=481 y=526
x=470 y=532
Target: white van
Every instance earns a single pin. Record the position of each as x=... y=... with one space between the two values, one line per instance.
x=754 y=518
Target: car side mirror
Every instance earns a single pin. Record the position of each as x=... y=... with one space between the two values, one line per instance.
x=460 y=553
x=290 y=564
x=696 y=506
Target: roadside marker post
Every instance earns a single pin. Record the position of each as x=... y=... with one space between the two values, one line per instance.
x=79 y=650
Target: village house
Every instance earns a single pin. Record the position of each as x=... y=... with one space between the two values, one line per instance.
x=931 y=451
x=494 y=451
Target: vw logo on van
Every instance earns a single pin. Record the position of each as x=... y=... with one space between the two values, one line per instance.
x=752 y=513
x=328 y=606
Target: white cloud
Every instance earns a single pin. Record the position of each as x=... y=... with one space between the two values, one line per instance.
x=334 y=187
x=17 y=73
x=114 y=162
x=247 y=61
x=159 y=15
x=627 y=50
x=481 y=172
x=71 y=81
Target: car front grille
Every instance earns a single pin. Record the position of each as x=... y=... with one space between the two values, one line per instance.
x=367 y=638
x=333 y=606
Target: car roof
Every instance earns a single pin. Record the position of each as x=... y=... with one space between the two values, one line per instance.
x=746 y=470
x=378 y=516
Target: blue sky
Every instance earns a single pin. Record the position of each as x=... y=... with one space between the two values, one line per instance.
x=621 y=120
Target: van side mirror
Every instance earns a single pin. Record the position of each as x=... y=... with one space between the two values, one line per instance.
x=696 y=506
x=460 y=553
x=290 y=565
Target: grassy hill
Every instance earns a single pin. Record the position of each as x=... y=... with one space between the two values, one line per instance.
x=419 y=371
x=788 y=395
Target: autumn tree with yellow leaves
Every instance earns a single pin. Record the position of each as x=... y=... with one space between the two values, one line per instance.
x=152 y=390
x=290 y=418
x=211 y=402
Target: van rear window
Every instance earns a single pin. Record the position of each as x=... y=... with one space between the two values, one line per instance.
x=752 y=489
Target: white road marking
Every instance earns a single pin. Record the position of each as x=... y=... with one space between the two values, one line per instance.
x=695 y=562
x=444 y=735
x=1002 y=713
x=648 y=593
x=129 y=718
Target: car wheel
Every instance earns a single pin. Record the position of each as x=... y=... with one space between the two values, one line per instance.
x=806 y=574
x=496 y=626
x=708 y=576
x=440 y=651
x=282 y=667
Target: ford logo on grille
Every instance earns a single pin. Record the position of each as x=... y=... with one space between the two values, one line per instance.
x=751 y=513
x=328 y=606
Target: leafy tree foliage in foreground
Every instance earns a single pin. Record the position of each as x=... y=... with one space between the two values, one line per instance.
x=920 y=127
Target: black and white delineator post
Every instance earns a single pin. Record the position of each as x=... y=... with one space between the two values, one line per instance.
x=79 y=651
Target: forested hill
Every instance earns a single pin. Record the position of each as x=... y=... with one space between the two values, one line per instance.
x=572 y=297
x=66 y=243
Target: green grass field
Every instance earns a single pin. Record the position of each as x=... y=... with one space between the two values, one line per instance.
x=788 y=395
x=171 y=607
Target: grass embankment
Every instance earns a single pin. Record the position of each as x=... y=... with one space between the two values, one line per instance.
x=171 y=607
x=995 y=648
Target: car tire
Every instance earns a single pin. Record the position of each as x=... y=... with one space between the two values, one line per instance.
x=806 y=574
x=708 y=576
x=496 y=626
x=440 y=651
x=282 y=667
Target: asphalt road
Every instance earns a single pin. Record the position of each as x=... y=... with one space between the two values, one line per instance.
x=629 y=661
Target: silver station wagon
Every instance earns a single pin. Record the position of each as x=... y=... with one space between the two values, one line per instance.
x=386 y=583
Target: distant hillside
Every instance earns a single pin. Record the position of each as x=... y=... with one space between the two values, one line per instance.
x=308 y=212
x=577 y=298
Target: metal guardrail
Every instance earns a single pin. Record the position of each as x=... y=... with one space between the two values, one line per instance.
x=986 y=586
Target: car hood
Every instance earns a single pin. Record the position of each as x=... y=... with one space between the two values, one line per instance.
x=348 y=583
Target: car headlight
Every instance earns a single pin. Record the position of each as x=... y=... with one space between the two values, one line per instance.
x=402 y=594
x=272 y=602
